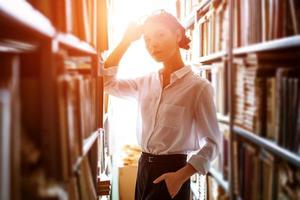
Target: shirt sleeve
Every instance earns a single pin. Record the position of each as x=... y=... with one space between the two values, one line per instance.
x=118 y=87
x=207 y=129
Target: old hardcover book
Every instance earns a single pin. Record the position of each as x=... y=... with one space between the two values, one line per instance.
x=72 y=188
x=63 y=140
x=267 y=175
x=283 y=134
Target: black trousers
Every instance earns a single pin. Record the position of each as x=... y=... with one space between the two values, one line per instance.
x=151 y=167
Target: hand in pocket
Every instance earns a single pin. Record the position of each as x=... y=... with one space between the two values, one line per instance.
x=172 y=182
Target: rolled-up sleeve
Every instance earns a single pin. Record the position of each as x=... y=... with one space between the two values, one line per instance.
x=118 y=87
x=207 y=129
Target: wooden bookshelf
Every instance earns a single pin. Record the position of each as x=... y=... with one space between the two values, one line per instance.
x=33 y=53
x=197 y=22
x=74 y=43
x=278 y=44
x=13 y=46
x=219 y=178
x=88 y=142
x=254 y=36
x=190 y=19
x=212 y=57
x=13 y=14
x=254 y=31
x=269 y=145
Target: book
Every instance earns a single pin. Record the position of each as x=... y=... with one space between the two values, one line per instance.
x=63 y=140
x=5 y=142
x=103 y=185
x=72 y=188
x=287 y=83
x=10 y=123
x=295 y=22
x=271 y=108
x=236 y=186
x=264 y=20
x=267 y=178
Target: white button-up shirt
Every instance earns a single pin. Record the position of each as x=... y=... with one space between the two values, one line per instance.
x=178 y=119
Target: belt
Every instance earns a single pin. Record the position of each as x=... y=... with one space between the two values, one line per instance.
x=151 y=158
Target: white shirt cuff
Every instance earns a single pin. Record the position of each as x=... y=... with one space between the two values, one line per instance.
x=112 y=71
x=199 y=163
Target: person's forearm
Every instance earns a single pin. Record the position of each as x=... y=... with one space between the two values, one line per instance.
x=186 y=172
x=133 y=33
x=115 y=57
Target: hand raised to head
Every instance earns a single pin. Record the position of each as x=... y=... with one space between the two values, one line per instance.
x=133 y=32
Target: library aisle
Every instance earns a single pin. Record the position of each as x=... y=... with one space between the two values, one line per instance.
x=62 y=137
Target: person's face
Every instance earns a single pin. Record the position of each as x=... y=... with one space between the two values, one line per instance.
x=161 y=42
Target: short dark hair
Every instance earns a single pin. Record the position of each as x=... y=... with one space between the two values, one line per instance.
x=172 y=23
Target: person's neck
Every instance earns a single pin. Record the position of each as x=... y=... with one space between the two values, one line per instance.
x=173 y=64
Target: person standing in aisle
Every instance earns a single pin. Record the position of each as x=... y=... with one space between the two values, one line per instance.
x=177 y=115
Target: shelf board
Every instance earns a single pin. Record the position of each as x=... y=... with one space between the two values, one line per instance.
x=223 y=118
x=14 y=46
x=87 y=144
x=189 y=20
x=219 y=178
x=278 y=44
x=194 y=190
x=212 y=57
x=22 y=15
x=80 y=70
x=72 y=42
x=269 y=145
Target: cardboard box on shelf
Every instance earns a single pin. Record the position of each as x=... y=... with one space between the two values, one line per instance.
x=127 y=178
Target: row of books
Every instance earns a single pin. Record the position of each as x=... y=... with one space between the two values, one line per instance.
x=260 y=175
x=20 y=125
x=206 y=187
x=36 y=185
x=263 y=20
x=219 y=82
x=216 y=73
x=77 y=114
x=82 y=186
x=210 y=32
x=267 y=98
x=87 y=19
x=48 y=114
x=185 y=7
x=221 y=164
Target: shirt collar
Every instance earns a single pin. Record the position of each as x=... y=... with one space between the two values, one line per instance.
x=178 y=74
x=181 y=72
